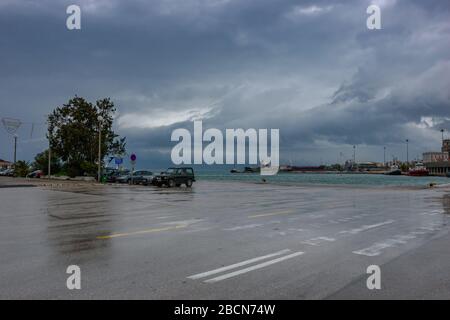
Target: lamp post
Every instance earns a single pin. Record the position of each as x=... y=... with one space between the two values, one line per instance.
x=407 y=151
x=100 y=122
x=49 y=157
x=354 y=154
x=384 y=156
x=15 y=149
x=49 y=152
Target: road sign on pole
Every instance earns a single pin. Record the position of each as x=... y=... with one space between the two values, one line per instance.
x=11 y=126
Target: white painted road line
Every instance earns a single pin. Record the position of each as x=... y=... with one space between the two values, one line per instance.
x=368 y=227
x=317 y=241
x=248 y=226
x=375 y=249
x=255 y=267
x=433 y=213
x=237 y=265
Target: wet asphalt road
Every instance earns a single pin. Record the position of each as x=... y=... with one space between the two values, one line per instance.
x=223 y=240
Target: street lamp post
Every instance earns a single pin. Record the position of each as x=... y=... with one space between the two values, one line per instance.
x=407 y=151
x=15 y=149
x=100 y=122
x=49 y=161
x=354 y=154
x=49 y=155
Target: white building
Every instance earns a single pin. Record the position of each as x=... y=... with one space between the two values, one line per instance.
x=429 y=157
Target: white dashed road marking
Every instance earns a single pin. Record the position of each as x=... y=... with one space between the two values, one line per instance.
x=248 y=226
x=255 y=267
x=317 y=241
x=237 y=265
x=375 y=249
x=368 y=227
x=244 y=263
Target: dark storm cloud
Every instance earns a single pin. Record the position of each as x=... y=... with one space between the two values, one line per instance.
x=310 y=68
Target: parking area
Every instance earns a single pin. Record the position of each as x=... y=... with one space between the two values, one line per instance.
x=222 y=240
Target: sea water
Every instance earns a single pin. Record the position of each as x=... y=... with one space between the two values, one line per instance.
x=323 y=178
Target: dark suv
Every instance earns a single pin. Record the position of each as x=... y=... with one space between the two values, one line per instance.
x=175 y=177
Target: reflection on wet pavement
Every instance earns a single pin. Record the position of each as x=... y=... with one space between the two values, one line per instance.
x=144 y=242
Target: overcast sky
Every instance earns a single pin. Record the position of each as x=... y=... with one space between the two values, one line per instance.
x=310 y=68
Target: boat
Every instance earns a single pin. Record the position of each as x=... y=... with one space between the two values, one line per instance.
x=393 y=171
x=285 y=168
x=418 y=171
x=252 y=170
x=308 y=169
x=246 y=170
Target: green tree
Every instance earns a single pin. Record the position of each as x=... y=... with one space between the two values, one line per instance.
x=21 y=168
x=41 y=162
x=74 y=129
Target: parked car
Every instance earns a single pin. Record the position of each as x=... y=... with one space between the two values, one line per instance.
x=7 y=173
x=141 y=177
x=122 y=177
x=35 y=174
x=175 y=177
x=138 y=177
x=112 y=175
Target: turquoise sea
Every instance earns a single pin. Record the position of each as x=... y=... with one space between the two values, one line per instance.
x=324 y=178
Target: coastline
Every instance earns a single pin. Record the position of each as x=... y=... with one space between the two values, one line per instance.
x=256 y=181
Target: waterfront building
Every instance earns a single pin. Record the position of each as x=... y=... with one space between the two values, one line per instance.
x=435 y=157
x=438 y=163
x=438 y=168
x=369 y=166
x=446 y=145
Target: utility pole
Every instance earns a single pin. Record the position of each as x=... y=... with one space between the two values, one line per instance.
x=384 y=156
x=407 y=151
x=49 y=162
x=49 y=156
x=354 y=154
x=49 y=153
x=100 y=120
x=15 y=148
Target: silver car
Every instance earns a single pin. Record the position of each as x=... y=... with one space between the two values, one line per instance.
x=143 y=177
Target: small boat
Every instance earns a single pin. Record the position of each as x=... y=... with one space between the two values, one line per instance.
x=418 y=171
x=393 y=171
x=246 y=170
x=285 y=168
x=252 y=170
